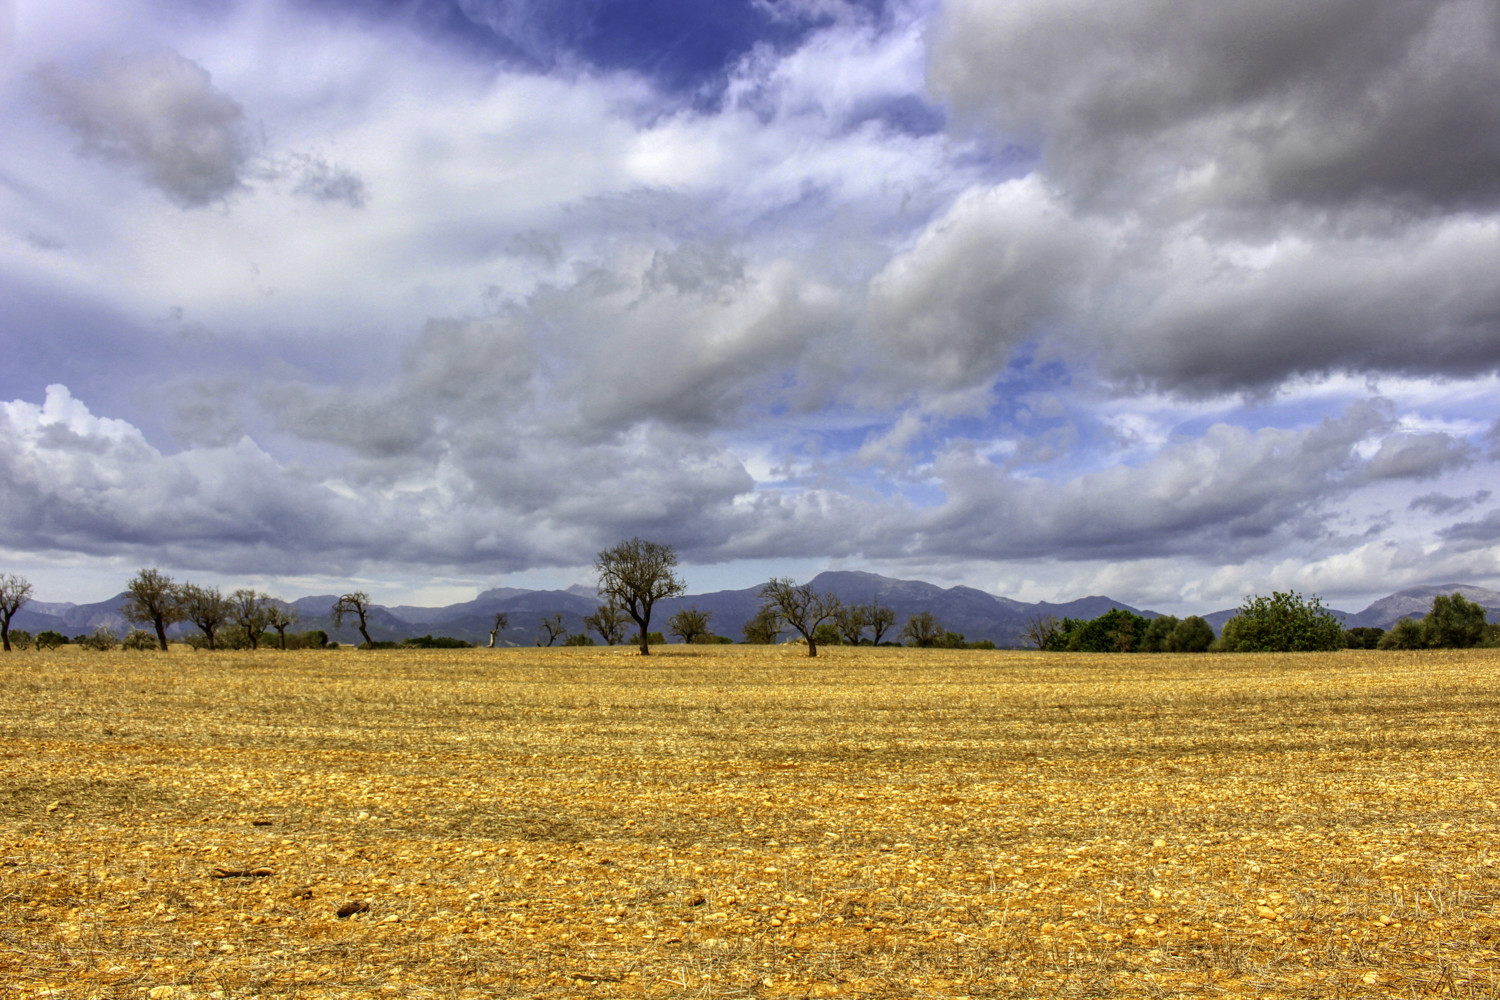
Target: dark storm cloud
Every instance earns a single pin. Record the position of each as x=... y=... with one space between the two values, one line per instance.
x=1244 y=102
x=160 y=113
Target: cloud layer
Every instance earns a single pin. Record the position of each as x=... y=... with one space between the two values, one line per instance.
x=1042 y=297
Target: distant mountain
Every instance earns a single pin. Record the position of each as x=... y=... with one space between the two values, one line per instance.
x=973 y=613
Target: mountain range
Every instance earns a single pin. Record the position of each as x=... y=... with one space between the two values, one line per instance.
x=973 y=613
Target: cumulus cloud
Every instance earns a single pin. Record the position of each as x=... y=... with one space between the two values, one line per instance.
x=158 y=112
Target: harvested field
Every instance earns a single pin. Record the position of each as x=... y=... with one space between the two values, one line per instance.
x=746 y=822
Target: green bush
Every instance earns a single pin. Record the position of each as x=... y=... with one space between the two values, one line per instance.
x=1191 y=635
x=1115 y=631
x=1405 y=634
x=652 y=639
x=139 y=641
x=102 y=638
x=1363 y=637
x=428 y=642
x=1282 y=623
x=1454 y=623
x=579 y=639
x=50 y=639
x=381 y=644
x=20 y=638
x=1157 y=632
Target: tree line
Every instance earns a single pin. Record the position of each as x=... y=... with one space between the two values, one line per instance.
x=635 y=575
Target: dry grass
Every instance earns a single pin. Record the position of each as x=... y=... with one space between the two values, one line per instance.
x=738 y=822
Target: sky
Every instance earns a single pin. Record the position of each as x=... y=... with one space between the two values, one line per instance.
x=1172 y=301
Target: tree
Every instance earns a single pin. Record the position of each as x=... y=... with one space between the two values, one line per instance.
x=799 y=606
x=1158 y=630
x=1363 y=637
x=1042 y=631
x=1282 y=623
x=14 y=593
x=764 y=629
x=357 y=604
x=1405 y=634
x=154 y=600
x=251 y=611
x=205 y=607
x=553 y=628
x=635 y=575
x=500 y=624
x=689 y=624
x=922 y=629
x=280 y=616
x=881 y=620
x=50 y=639
x=1454 y=623
x=851 y=622
x=1192 y=635
x=609 y=621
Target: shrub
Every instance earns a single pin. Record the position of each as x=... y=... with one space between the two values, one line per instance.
x=428 y=642
x=1282 y=623
x=1115 y=631
x=139 y=640
x=20 y=638
x=1157 y=632
x=315 y=639
x=1453 y=623
x=1363 y=637
x=379 y=644
x=579 y=639
x=652 y=639
x=1191 y=635
x=102 y=638
x=1405 y=634
x=50 y=639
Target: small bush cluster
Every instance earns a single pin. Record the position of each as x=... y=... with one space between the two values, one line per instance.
x=428 y=642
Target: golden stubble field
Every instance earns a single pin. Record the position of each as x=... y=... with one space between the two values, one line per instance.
x=746 y=822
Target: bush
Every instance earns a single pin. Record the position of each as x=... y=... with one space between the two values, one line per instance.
x=1115 y=631
x=712 y=640
x=381 y=644
x=20 y=638
x=1363 y=637
x=1157 y=632
x=428 y=642
x=139 y=641
x=102 y=638
x=1454 y=623
x=1405 y=634
x=50 y=639
x=315 y=639
x=652 y=639
x=579 y=639
x=1282 y=623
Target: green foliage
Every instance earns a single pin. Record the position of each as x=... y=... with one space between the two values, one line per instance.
x=1454 y=623
x=315 y=639
x=828 y=634
x=138 y=640
x=764 y=629
x=714 y=640
x=50 y=639
x=579 y=639
x=1282 y=623
x=1191 y=635
x=20 y=638
x=1405 y=634
x=441 y=642
x=102 y=638
x=1115 y=631
x=1157 y=632
x=382 y=644
x=1363 y=637
x=652 y=639
x=922 y=630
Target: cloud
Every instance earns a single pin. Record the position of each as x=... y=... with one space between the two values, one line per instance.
x=322 y=181
x=158 y=112
x=1240 y=103
x=1441 y=504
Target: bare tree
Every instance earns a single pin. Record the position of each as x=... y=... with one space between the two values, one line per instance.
x=357 y=604
x=923 y=629
x=1041 y=630
x=251 y=611
x=500 y=624
x=14 y=593
x=554 y=628
x=851 y=621
x=689 y=623
x=765 y=628
x=635 y=575
x=206 y=608
x=154 y=600
x=609 y=622
x=799 y=606
x=280 y=616
x=881 y=620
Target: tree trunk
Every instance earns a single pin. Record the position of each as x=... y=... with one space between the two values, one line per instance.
x=363 y=632
x=161 y=634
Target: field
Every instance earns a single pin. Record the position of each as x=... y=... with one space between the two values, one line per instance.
x=747 y=822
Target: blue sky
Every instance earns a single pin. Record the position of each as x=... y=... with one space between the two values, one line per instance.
x=1171 y=301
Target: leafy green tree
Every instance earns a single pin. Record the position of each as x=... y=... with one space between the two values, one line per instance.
x=1282 y=623
x=14 y=593
x=154 y=600
x=828 y=634
x=50 y=639
x=688 y=624
x=1191 y=635
x=635 y=575
x=356 y=603
x=1405 y=634
x=1115 y=631
x=1157 y=631
x=922 y=629
x=801 y=607
x=1454 y=623
x=1363 y=637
